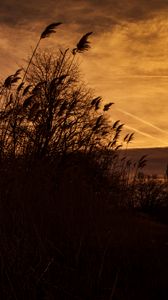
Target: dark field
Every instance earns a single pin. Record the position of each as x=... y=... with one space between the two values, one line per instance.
x=63 y=236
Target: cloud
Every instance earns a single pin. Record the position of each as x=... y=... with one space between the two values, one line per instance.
x=127 y=63
x=96 y=13
x=131 y=10
x=15 y=13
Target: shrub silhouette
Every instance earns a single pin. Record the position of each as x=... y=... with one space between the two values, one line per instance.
x=63 y=235
x=47 y=109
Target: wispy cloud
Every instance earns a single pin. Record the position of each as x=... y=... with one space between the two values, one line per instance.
x=149 y=136
x=127 y=63
x=143 y=121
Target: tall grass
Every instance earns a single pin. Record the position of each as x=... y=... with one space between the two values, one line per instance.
x=64 y=231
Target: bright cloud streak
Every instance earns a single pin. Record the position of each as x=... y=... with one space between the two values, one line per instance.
x=146 y=135
x=142 y=121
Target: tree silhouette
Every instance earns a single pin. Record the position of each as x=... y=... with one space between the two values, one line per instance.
x=48 y=110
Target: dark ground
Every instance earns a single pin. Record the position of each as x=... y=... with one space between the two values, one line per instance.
x=60 y=239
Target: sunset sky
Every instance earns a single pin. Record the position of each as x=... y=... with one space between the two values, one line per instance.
x=128 y=61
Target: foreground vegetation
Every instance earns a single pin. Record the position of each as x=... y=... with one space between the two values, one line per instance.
x=78 y=219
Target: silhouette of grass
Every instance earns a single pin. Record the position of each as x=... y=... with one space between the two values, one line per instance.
x=60 y=238
x=71 y=205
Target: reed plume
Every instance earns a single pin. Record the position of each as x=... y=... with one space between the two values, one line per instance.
x=107 y=106
x=46 y=33
x=83 y=44
x=96 y=102
x=11 y=79
x=49 y=30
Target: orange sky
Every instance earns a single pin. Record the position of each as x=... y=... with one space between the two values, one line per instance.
x=128 y=61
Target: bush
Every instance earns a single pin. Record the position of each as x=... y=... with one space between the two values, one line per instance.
x=150 y=194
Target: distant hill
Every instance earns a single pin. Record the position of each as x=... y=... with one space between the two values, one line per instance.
x=157 y=159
